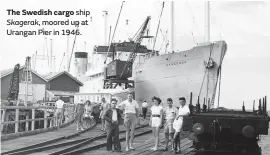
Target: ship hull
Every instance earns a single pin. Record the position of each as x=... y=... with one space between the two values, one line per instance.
x=176 y=75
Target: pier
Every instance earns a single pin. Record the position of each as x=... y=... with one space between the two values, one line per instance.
x=67 y=140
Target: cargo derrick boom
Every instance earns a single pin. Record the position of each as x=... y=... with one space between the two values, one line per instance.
x=117 y=72
x=222 y=131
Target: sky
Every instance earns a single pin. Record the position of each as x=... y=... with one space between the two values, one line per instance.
x=244 y=25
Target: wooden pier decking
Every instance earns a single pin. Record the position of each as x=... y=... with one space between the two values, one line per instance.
x=34 y=139
x=142 y=143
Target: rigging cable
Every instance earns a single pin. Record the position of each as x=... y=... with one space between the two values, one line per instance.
x=207 y=86
x=158 y=27
x=220 y=32
x=73 y=48
x=61 y=62
x=193 y=19
x=164 y=39
x=135 y=37
x=211 y=49
x=194 y=24
x=219 y=84
x=114 y=32
x=94 y=29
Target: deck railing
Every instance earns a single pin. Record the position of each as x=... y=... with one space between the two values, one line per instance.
x=48 y=116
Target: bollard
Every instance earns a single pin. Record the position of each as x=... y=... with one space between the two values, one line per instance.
x=190 y=104
x=198 y=105
x=208 y=104
x=243 y=107
x=260 y=106
x=265 y=105
x=204 y=105
x=263 y=108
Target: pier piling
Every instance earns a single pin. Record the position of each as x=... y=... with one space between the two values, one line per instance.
x=260 y=106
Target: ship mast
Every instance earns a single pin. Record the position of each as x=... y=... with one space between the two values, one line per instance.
x=105 y=27
x=207 y=22
x=172 y=26
x=51 y=58
x=67 y=54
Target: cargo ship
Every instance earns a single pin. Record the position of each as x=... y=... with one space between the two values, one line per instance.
x=173 y=74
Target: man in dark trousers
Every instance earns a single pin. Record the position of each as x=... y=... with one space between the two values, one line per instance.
x=144 y=108
x=113 y=117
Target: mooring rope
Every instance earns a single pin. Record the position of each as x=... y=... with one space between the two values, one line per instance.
x=211 y=49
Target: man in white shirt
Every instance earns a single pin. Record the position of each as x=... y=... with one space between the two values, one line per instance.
x=131 y=119
x=144 y=108
x=59 y=111
x=170 y=113
x=178 y=122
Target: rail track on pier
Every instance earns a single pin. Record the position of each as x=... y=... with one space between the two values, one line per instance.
x=77 y=143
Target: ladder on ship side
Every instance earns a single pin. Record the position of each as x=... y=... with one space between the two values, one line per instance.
x=27 y=80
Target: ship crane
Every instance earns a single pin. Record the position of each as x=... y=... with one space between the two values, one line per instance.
x=117 y=72
x=14 y=85
x=26 y=80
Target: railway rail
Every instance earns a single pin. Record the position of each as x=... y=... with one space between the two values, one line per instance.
x=83 y=141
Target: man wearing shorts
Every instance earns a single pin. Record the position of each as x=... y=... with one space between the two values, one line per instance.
x=103 y=108
x=131 y=119
x=178 y=123
x=170 y=114
x=59 y=112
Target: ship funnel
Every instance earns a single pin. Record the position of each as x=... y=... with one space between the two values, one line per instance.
x=81 y=64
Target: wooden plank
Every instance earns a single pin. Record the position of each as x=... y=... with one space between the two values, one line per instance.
x=188 y=145
x=143 y=148
x=146 y=148
x=34 y=139
x=183 y=147
x=184 y=143
x=184 y=152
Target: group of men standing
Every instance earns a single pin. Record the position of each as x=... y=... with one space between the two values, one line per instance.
x=112 y=117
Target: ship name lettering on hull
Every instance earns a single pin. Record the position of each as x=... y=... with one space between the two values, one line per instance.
x=176 y=63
